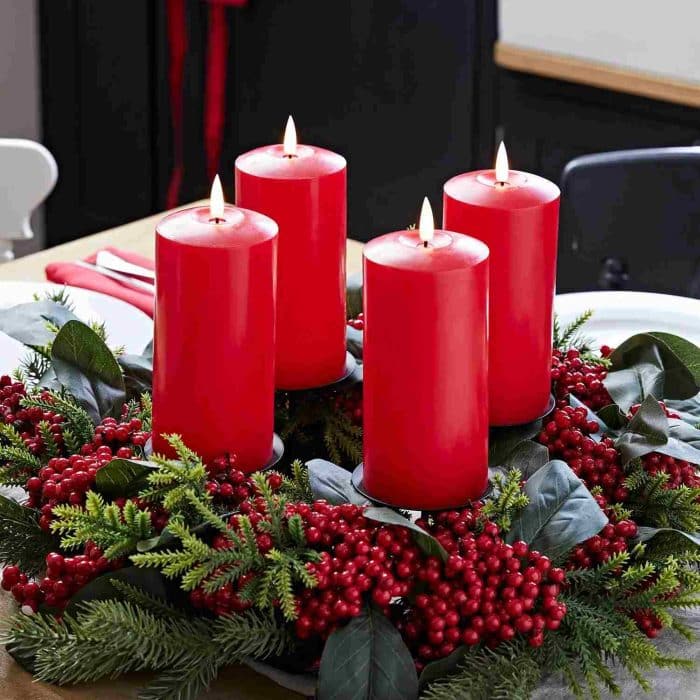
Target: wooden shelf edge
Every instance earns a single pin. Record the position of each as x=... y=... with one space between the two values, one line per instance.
x=600 y=75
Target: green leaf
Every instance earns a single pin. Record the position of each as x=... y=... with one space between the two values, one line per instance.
x=654 y=363
x=527 y=457
x=353 y=295
x=150 y=581
x=87 y=369
x=645 y=433
x=138 y=375
x=688 y=409
x=561 y=512
x=367 y=659
x=354 y=339
x=29 y=323
x=645 y=533
x=612 y=417
x=332 y=483
x=423 y=539
x=502 y=441
x=122 y=477
x=442 y=667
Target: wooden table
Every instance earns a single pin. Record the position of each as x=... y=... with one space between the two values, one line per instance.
x=137 y=236
x=237 y=683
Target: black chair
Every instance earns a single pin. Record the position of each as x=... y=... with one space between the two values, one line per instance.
x=631 y=220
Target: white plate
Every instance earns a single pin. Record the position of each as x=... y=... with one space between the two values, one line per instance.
x=126 y=325
x=618 y=315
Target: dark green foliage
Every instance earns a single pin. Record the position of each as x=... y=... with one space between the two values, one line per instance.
x=367 y=659
x=311 y=426
x=22 y=541
x=76 y=419
x=654 y=504
x=598 y=630
x=570 y=335
x=511 y=672
x=110 y=637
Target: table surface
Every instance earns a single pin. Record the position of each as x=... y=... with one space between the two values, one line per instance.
x=236 y=683
x=138 y=236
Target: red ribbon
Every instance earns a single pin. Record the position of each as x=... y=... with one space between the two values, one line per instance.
x=214 y=89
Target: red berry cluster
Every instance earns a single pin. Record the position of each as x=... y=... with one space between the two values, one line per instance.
x=488 y=591
x=571 y=375
x=64 y=576
x=117 y=435
x=567 y=436
x=612 y=539
x=26 y=420
x=359 y=558
x=228 y=485
x=349 y=402
x=358 y=323
x=67 y=479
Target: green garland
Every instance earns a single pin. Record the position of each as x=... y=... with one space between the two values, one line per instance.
x=134 y=619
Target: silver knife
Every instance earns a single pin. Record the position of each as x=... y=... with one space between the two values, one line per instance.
x=114 y=262
x=129 y=281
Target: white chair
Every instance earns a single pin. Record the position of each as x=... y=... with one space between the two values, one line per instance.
x=28 y=173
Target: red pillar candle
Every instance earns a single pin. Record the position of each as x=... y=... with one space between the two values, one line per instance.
x=516 y=214
x=213 y=379
x=425 y=368
x=303 y=188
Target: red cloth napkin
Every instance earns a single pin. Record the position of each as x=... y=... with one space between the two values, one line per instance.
x=76 y=276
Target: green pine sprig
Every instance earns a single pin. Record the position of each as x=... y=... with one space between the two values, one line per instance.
x=508 y=501
x=76 y=419
x=174 y=483
x=570 y=335
x=117 y=531
x=22 y=541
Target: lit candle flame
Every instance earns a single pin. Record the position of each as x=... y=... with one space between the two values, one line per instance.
x=289 y=145
x=216 y=200
x=502 y=164
x=426 y=223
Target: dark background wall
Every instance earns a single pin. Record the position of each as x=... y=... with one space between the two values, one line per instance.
x=397 y=86
x=406 y=89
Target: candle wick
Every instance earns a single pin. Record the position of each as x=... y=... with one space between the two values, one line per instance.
x=217 y=220
x=425 y=244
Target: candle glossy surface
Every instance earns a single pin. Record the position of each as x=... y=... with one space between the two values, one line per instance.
x=306 y=195
x=213 y=379
x=519 y=222
x=425 y=370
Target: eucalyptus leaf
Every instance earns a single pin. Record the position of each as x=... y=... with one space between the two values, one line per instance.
x=333 y=483
x=442 y=667
x=561 y=512
x=528 y=457
x=353 y=295
x=654 y=363
x=150 y=581
x=148 y=351
x=367 y=659
x=423 y=539
x=29 y=323
x=612 y=417
x=647 y=533
x=688 y=409
x=138 y=374
x=86 y=367
x=122 y=477
x=354 y=342
x=502 y=441
x=646 y=432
